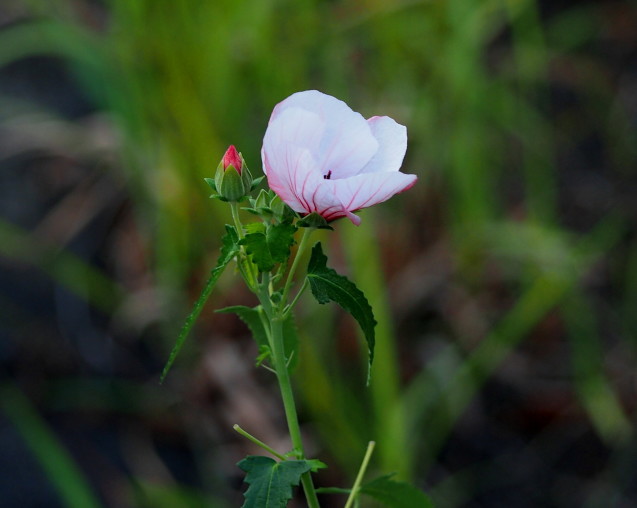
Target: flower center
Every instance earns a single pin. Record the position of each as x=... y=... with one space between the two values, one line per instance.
x=327 y=177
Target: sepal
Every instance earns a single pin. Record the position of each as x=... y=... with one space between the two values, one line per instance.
x=256 y=182
x=313 y=220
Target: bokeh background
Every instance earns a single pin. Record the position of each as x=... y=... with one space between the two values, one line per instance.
x=504 y=283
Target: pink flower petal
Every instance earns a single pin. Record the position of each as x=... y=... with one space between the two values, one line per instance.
x=368 y=189
x=347 y=144
x=294 y=126
x=296 y=178
x=392 y=138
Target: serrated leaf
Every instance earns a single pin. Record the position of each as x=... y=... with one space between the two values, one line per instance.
x=251 y=317
x=255 y=227
x=269 y=247
x=256 y=245
x=270 y=481
x=280 y=239
x=396 y=494
x=329 y=286
x=229 y=249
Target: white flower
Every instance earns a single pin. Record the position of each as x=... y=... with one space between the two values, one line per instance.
x=320 y=156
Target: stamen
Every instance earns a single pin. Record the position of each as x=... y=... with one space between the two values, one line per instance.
x=327 y=177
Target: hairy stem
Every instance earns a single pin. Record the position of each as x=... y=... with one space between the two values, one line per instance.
x=280 y=365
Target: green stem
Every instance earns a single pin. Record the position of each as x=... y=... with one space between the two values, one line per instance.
x=275 y=316
x=361 y=472
x=278 y=357
x=234 y=207
x=295 y=264
x=296 y=298
x=245 y=265
x=258 y=442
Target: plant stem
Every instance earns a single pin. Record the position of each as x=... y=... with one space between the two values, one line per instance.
x=275 y=316
x=289 y=308
x=361 y=472
x=258 y=442
x=278 y=357
x=295 y=264
x=234 y=207
x=245 y=265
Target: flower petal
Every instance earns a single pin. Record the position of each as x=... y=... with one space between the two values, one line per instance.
x=347 y=143
x=392 y=138
x=369 y=189
x=296 y=127
x=296 y=178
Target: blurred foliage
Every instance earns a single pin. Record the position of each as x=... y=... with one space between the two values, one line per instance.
x=522 y=129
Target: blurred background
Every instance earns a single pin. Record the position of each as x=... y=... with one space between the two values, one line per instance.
x=504 y=282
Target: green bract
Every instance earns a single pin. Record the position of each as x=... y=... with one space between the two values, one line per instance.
x=233 y=184
x=313 y=220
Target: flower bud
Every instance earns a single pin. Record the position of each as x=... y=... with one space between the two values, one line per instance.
x=233 y=179
x=232 y=158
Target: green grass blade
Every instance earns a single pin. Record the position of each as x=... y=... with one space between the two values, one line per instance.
x=594 y=390
x=57 y=463
x=546 y=293
x=63 y=267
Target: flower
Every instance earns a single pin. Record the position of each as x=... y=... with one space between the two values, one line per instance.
x=321 y=157
x=233 y=180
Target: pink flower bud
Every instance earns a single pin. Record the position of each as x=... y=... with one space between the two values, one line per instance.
x=233 y=180
x=232 y=158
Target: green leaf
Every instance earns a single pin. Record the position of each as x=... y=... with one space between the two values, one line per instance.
x=329 y=286
x=255 y=227
x=316 y=464
x=396 y=494
x=229 y=250
x=270 y=247
x=270 y=481
x=280 y=239
x=251 y=317
x=256 y=245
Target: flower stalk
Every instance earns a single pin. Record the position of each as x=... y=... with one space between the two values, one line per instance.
x=285 y=386
x=272 y=317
